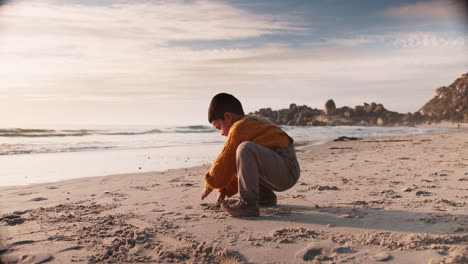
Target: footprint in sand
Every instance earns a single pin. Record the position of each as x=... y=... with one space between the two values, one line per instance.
x=311 y=254
x=25 y=193
x=35 y=258
x=325 y=252
x=423 y=193
x=12 y=219
x=141 y=188
x=323 y=188
x=297 y=196
x=211 y=207
x=37 y=199
x=72 y=248
x=275 y=211
x=23 y=242
x=343 y=250
x=20 y=212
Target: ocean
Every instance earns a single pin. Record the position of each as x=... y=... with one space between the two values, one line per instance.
x=30 y=156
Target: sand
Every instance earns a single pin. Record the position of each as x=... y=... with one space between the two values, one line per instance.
x=381 y=200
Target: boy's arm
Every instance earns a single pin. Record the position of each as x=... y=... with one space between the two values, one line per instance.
x=222 y=171
x=206 y=192
x=229 y=190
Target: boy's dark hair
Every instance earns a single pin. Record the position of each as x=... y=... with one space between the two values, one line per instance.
x=222 y=103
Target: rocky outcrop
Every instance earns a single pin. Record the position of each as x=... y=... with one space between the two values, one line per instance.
x=450 y=103
x=294 y=116
x=367 y=114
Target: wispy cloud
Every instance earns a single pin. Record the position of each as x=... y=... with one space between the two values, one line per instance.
x=430 y=40
x=414 y=39
x=66 y=48
x=163 y=21
x=439 y=10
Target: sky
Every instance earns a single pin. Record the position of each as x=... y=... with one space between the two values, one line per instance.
x=103 y=62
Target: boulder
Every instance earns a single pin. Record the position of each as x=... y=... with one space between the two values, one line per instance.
x=416 y=117
x=282 y=116
x=342 y=110
x=315 y=123
x=407 y=117
x=330 y=108
x=439 y=91
x=292 y=108
x=358 y=110
x=369 y=108
x=380 y=121
x=379 y=109
x=333 y=120
x=323 y=119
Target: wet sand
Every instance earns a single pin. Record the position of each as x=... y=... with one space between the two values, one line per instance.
x=381 y=200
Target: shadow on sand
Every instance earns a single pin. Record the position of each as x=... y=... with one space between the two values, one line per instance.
x=369 y=218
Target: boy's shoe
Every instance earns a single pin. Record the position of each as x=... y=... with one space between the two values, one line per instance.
x=241 y=209
x=267 y=197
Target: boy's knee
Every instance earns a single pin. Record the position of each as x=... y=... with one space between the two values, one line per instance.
x=244 y=147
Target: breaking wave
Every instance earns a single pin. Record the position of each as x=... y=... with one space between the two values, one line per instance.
x=195 y=129
x=21 y=132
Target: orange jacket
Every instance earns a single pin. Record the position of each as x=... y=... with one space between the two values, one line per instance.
x=222 y=172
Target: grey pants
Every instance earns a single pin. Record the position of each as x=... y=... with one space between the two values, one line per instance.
x=275 y=169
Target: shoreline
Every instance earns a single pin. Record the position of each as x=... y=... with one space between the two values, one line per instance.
x=300 y=146
x=394 y=199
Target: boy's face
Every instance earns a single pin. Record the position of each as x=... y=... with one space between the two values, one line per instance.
x=224 y=125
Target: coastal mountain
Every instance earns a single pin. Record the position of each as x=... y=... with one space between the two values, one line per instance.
x=449 y=104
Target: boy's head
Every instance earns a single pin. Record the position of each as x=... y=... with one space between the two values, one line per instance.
x=224 y=111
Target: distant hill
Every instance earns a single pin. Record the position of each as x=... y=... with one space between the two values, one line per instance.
x=450 y=104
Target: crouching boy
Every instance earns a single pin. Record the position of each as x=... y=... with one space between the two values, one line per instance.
x=258 y=159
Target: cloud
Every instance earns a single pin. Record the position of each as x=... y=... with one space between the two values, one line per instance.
x=432 y=10
x=162 y=21
x=401 y=40
x=107 y=49
x=429 y=40
x=123 y=54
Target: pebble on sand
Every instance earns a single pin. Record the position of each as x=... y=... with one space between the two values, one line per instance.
x=383 y=256
x=308 y=253
x=345 y=216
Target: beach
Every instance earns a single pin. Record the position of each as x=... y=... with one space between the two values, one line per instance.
x=400 y=199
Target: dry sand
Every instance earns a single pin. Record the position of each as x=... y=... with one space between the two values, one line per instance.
x=392 y=200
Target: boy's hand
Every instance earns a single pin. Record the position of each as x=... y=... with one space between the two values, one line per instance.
x=205 y=193
x=221 y=196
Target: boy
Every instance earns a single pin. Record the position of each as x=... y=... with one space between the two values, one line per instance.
x=257 y=159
